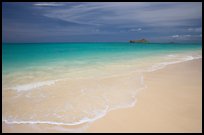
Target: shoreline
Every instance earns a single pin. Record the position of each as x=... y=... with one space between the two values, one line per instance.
x=161 y=111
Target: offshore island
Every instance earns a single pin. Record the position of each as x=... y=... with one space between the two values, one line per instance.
x=139 y=41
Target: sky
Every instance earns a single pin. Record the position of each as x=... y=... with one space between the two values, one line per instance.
x=101 y=21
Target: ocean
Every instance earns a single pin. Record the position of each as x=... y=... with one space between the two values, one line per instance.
x=76 y=83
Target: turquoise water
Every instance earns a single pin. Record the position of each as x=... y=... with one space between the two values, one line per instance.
x=18 y=56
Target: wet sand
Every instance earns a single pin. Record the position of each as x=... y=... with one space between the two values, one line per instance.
x=172 y=102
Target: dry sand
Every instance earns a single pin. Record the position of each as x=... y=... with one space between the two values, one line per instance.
x=172 y=102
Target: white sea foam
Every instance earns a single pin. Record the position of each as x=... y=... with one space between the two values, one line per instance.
x=171 y=55
x=128 y=105
x=163 y=64
x=41 y=122
x=30 y=86
x=81 y=121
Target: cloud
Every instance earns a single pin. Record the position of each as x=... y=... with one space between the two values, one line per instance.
x=175 y=36
x=181 y=36
x=48 y=4
x=138 y=29
x=172 y=15
x=96 y=30
x=186 y=37
x=195 y=29
x=131 y=13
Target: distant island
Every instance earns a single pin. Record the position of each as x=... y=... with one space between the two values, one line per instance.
x=171 y=42
x=139 y=41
